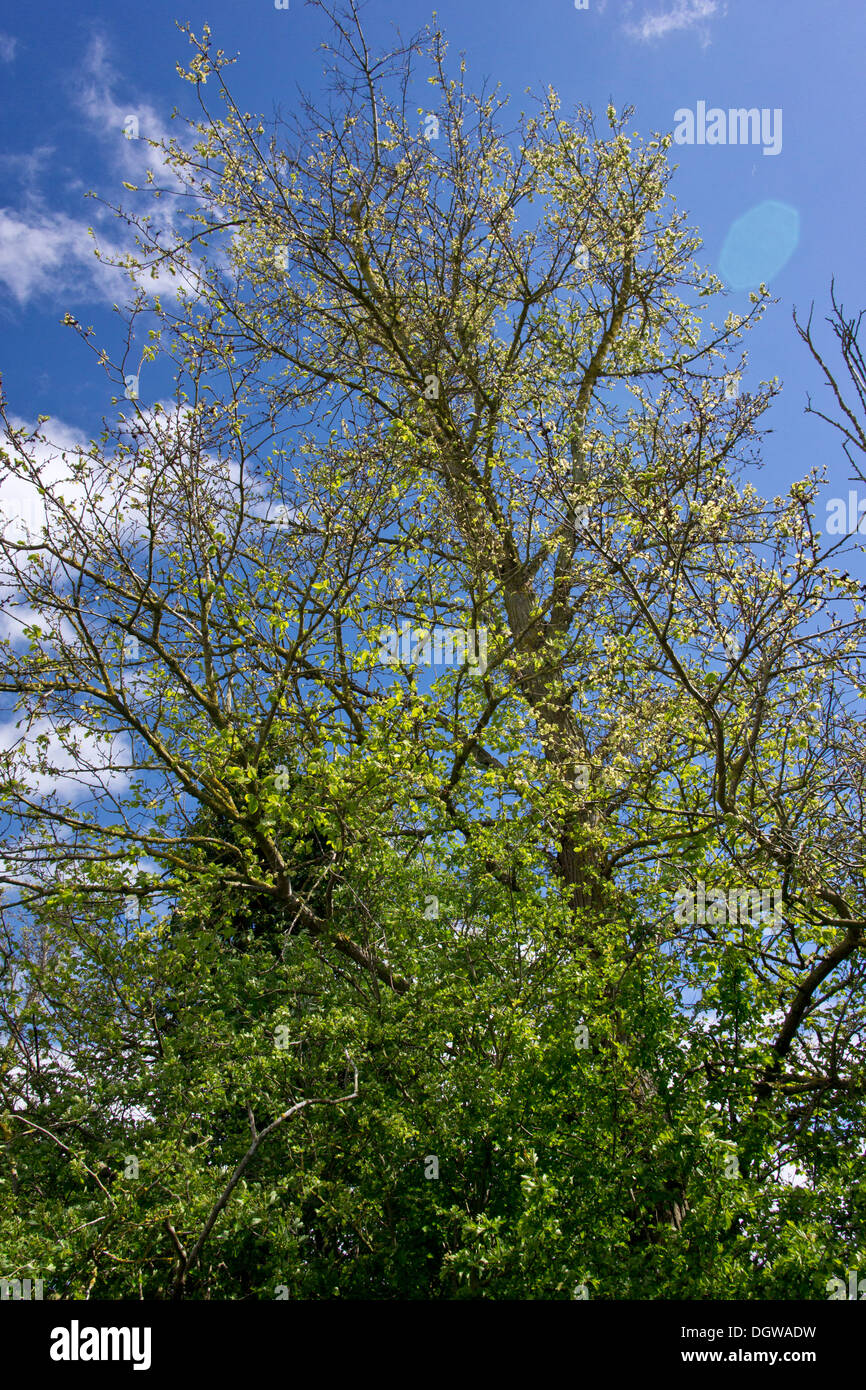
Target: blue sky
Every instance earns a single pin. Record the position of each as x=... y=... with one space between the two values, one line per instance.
x=71 y=74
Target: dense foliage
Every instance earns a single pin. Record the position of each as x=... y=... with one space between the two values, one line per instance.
x=333 y=971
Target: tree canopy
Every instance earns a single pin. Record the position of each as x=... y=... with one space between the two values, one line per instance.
x=434 y=844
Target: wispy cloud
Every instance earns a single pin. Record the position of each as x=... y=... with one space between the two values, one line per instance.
x=682 y=15
x=28 y=169
x=42 y=253
x=8 y=45
x=74 y=765
x=111 y=116
x=44 y=250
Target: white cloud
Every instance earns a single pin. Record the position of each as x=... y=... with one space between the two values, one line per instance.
x=114 y=495
x=46 y=251
x=43 y=253
x=22 y=509
x=110 y=117
x=8 y=45
x=16 y=616
x=74 y=767
x=683 y=15
x=23 y=514
x=28 y=168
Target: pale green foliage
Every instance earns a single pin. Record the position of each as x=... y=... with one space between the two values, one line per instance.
x=403 y=871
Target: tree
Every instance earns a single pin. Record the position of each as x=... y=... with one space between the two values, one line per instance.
x=592 y=927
